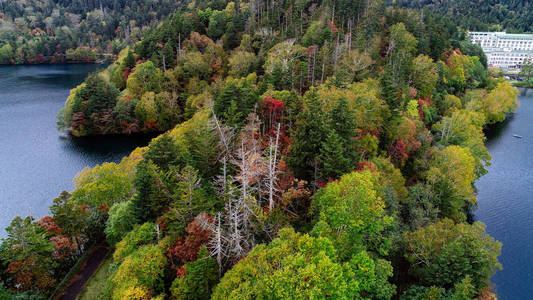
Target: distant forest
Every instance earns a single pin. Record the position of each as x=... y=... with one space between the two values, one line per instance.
x=482 y=15
x=52 y=31
x=57 y=31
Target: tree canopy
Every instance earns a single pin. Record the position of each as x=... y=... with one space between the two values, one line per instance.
x=306 y=150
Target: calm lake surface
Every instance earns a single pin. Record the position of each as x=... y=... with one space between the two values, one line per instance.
x=36 y=164
x=505 y=200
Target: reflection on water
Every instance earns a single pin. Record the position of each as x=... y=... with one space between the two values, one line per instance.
x=495 y=131
x=104 y=148
x=36 y=163
x=505 y=202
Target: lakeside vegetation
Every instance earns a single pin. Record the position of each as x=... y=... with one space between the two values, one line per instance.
x=311 y=150
x=526 y=75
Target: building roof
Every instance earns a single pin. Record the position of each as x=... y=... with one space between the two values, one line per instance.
x=508 y=52
x=504 y=35
x=514 y=36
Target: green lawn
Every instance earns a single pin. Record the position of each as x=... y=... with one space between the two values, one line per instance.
x=95 y=285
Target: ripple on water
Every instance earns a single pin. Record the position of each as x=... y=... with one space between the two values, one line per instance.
x=505 y=201
x=35 y=163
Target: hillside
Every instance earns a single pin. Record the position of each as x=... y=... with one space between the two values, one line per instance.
x=513 y=16
x=309 y=150
x=220 y=45
x=51 y=31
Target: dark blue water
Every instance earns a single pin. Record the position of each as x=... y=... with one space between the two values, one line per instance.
x=36 y=164
x=505 y=201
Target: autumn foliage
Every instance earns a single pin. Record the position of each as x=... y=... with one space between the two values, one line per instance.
x=186 y=248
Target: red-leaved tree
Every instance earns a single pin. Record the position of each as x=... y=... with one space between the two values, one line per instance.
x=185 y=249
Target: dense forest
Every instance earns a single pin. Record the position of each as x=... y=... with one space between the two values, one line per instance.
x=55 y=31
x=162 y=82
x=311 y=150
x=513 y=16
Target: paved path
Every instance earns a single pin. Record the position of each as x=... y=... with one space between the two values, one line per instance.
x=87 y=269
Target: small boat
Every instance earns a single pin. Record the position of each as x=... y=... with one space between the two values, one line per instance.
x=517 y=136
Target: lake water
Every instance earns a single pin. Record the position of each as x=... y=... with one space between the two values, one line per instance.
x=36 y=164
x=505 y=200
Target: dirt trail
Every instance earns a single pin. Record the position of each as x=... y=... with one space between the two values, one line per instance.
x=87 y=269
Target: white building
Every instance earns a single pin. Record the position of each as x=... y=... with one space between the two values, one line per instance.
x=504 y=50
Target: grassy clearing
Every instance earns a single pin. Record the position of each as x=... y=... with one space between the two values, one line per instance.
x=95 y=285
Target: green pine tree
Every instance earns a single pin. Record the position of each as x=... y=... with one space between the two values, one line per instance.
x=234 y=102
x=332 y=157
x=154 y=191
x=99 y=94
x=164 y=153
x=311 y=130
x=129 y=60
x=342 y=121
x=144 y=184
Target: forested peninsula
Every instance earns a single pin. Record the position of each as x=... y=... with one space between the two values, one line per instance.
x=309 y=149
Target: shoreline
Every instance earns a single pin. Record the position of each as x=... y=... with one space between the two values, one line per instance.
x=525 y=91
x=100 y=62
x=68 y=135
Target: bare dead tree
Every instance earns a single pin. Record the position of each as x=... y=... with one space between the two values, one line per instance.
x=447 y=124
x=245 y=175
x=324 y=57
x=225 y=136
x=272 y=175
x=248 y=158
x=239 y=229
x=217 y=240
x=337 y=51
x=222 y=180
x=231 y=235
x=311 y=59
x=178 y=52
x=235 y=228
